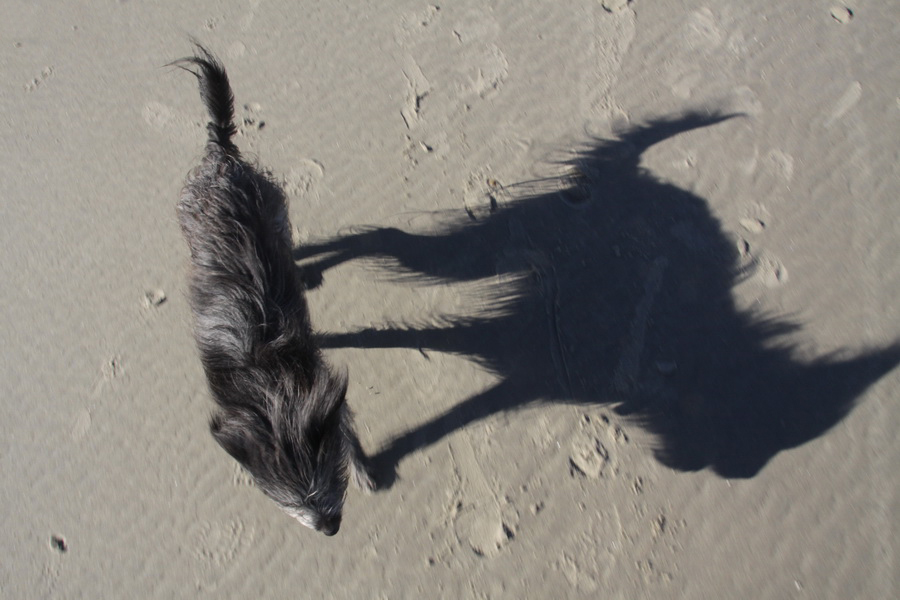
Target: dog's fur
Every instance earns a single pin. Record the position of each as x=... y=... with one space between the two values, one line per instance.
x=282 y=412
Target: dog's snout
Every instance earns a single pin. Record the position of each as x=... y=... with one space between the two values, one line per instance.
x=330 y=525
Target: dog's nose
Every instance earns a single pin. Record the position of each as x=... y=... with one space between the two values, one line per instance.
x=330 y=526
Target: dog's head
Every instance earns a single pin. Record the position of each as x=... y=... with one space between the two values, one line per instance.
x=294 y=443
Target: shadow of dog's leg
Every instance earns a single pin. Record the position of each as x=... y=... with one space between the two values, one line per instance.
x=489 y=402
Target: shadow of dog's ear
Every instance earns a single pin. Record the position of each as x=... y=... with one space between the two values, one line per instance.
x=238 y=435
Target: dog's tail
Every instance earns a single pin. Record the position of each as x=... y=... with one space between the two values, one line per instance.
x=216 y=94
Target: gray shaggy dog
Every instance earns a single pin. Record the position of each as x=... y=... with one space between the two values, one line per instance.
x=282 y=413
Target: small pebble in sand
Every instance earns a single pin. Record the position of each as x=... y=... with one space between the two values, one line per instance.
x=614 y=5
x=154 y=298
x=841 y=14
x=753 y=225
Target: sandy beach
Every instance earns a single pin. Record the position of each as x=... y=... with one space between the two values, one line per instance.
x=614 y=281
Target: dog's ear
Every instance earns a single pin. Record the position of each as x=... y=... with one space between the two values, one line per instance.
x=326 y=401
x=338 y=389
x=236 y=433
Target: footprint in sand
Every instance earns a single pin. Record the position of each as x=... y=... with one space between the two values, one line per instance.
x=746 y=261
x=158 y=115
x=771 y=272
x=847 y=101
x=250 y=123
x=753 y=225
x=154 y=298
x=164 y=120
x=81 y=425
x=435 y=145
x=614 y=6
x=481 y=520
x=484 y=66
x=236 y=50
x=781 y=163
x=701 y=31
x=476 y=25
x=683 y=84
x=589 y=458
x=737 y=44
x=240 y=477
x=771 y=173
x=112 y=369
x=744 y=251
x=416 y=25
x=841 y=14
x=303 y=180
x=492 y=68
x=590 y=455
x=417 y=90
x=745 y=101
x=576 y=574
x=218 y=544
x=38 y=81
x=479 y=195
x=482 y=528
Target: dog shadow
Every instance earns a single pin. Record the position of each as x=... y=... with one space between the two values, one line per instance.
x=609 y=286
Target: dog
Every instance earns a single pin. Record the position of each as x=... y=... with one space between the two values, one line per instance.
x=281 y=410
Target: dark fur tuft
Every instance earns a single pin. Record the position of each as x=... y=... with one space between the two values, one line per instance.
x=215 y=91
